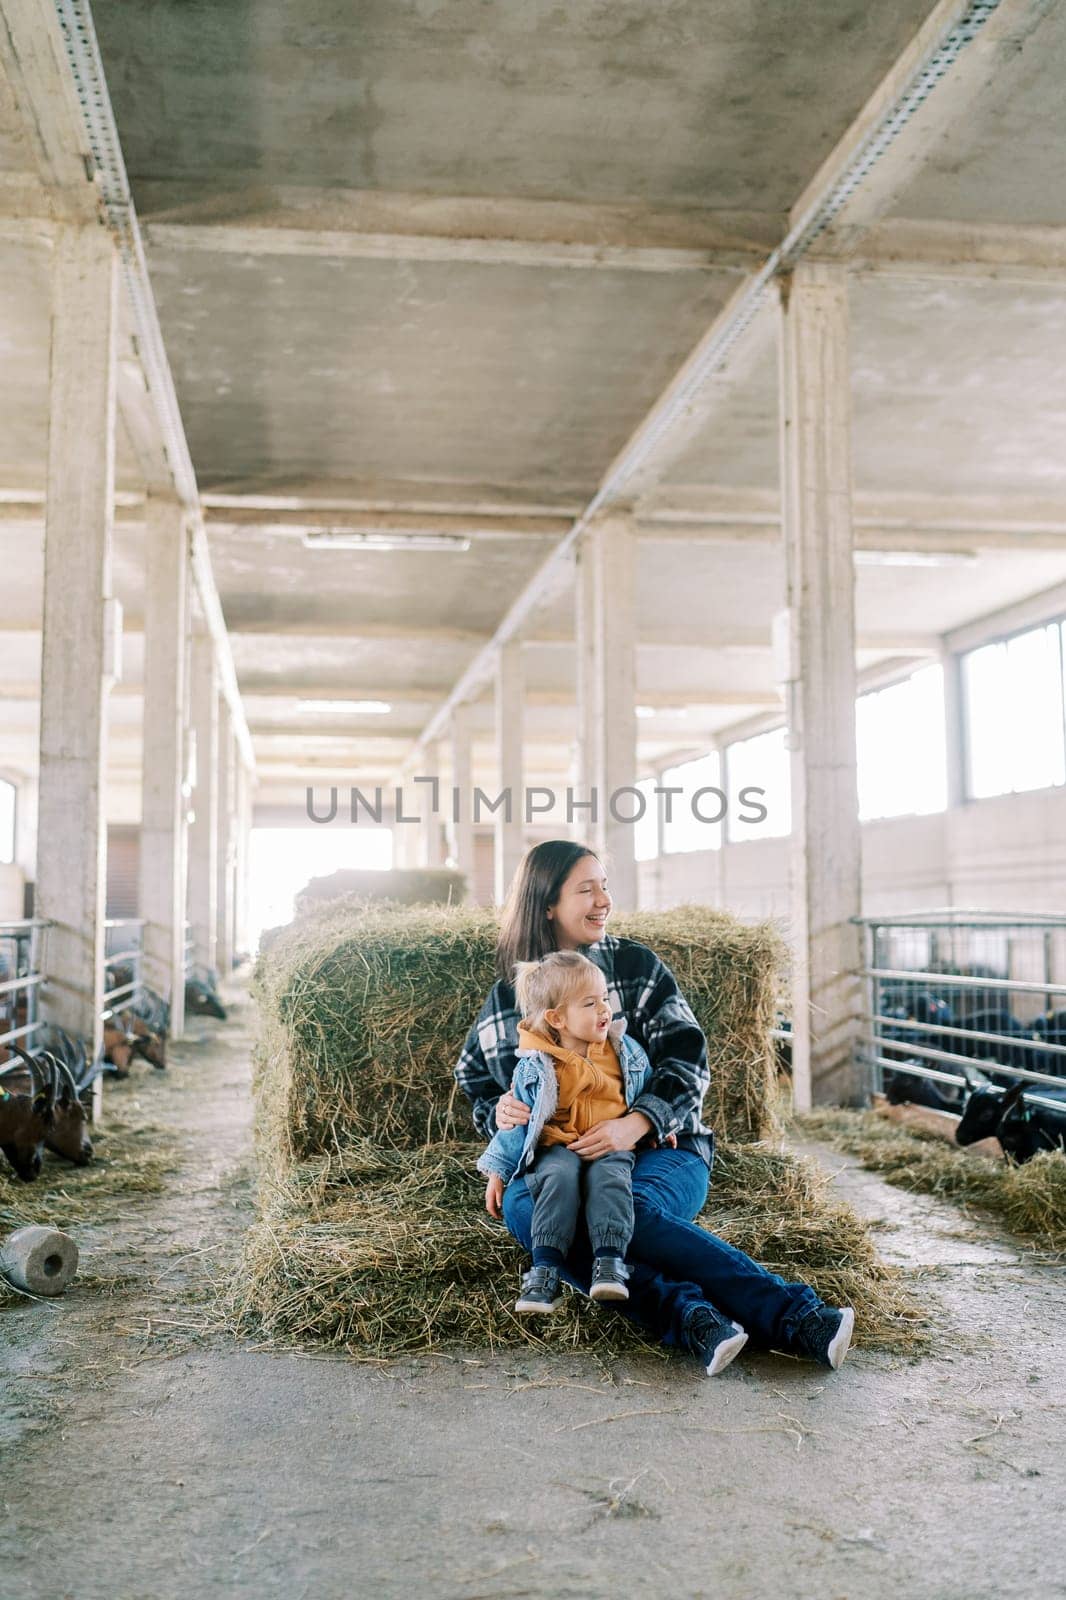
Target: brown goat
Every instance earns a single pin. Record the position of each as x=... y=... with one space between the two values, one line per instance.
x=145 y=1041
x=26 y=1120
x=67 y=1133
x=120 y=1046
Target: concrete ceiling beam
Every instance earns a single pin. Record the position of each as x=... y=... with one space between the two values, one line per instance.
x=964 y=251
x=679 y=636
x=33 y=60
x=669 y=513
x=379 y=225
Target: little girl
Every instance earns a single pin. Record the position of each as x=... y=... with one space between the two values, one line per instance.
x=575 y=1068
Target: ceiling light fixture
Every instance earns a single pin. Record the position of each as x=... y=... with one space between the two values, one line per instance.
x=374 y=708
x=392 y=539
x=915 y=558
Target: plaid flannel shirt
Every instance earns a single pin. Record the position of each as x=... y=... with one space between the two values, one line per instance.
x=642 y=989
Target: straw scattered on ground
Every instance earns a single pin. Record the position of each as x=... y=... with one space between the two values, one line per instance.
x=385 y=1252
x=1030 y=1199
x=130 y=1161
x=364 y=1008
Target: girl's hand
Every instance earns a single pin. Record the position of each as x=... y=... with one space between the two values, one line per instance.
x=618 y=1133
x=511 y=1112
x=494 y=1196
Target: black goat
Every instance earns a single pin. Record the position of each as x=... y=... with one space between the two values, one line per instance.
x=201 y=994
x=1022 y=1128
x=905 y=1088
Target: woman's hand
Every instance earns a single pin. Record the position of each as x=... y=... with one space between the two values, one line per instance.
x=618 y=1133
x=511 y=1112
x=494 y=1196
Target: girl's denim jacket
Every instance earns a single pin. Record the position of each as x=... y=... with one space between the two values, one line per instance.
x=512 y=1150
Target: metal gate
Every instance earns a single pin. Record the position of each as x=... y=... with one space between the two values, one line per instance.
x=950 y=991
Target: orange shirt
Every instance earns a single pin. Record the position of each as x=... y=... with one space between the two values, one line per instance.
x=590 y=1086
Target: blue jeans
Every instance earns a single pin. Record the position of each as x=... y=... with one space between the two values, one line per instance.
x=675 y=1264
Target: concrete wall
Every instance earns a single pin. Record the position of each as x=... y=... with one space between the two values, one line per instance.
x=1007 y=854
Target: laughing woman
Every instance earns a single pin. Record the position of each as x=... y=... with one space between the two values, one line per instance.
x=687 y=1286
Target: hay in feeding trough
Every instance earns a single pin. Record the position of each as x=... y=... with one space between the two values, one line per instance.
x=385 y=1252
x=364 y=1008
x=1030 y=1199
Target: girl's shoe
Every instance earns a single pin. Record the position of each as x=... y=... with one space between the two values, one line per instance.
x=609 y=1274
x=712 y=1337
x=824 y=1336
x=540 y=1292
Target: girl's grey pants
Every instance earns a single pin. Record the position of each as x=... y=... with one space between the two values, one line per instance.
x=562 y=1186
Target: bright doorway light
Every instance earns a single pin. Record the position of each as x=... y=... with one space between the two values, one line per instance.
x=282 y=860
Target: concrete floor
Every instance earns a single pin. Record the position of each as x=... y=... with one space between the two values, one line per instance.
x=141 y=1456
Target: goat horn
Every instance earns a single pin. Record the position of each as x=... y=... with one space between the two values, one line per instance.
x=37 y=1082
x=64 y=1070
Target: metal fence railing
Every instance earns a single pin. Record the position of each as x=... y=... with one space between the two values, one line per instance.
x=21 y=977
x=950 y=991
x=123 y=955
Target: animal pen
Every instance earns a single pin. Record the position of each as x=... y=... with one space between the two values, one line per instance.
x=948 y=992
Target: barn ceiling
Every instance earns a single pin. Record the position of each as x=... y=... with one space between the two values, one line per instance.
x=436 y=263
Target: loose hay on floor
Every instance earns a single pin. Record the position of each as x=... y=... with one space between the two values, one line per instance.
x=130 y=1160
x=385 y=1251
x=364 y=1008
x=1031 y=1199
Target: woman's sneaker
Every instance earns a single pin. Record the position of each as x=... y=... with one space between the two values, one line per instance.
x=609 y=1274
x=712 y=1337
x=824 y=1336
x=541 y=1291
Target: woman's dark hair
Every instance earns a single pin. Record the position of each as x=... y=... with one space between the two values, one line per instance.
x=525 y=931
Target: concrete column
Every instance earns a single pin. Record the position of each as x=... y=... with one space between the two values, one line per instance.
x=826 y=879
x=431 y=840
x=509 y=841
x=226 y=848
x=241 y=874
x=163 y=804
x=588 y=776
x=203 y=829
x=75 y=669
x=611 y=549
x=458 y=806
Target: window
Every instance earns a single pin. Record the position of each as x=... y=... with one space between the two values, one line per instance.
x=760 y=763
x=692 y=821
x=7 y=822
x=646 y=831
x=1015 y=729
x=902 y=748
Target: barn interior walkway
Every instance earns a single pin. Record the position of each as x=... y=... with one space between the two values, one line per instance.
x=178 y=1463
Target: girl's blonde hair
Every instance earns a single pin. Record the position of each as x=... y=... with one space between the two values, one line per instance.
x=547 y=984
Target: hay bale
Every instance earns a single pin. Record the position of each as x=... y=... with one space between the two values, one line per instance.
x=364 y=1009
x=400 y=886
x=384 y=1252
x=1030 y=1199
